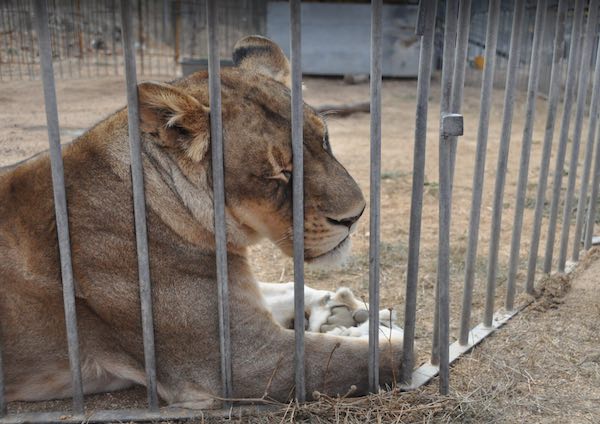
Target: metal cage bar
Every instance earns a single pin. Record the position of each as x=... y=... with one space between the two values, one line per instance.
x=458 y=78
x=60 y=202
x=439 y=343
x=298 y=194
x=375 y=194
x=582 y=91
x=591 y=213
x=425 y=29
x=491 y=40
x=502 y=164
x=589 y=152
x=216 y=137
x=553 y=99
x=532 y=86
x=564 y=131
x=2 y=398
x=139 y=204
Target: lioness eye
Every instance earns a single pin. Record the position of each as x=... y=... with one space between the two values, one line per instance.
x=287 y=174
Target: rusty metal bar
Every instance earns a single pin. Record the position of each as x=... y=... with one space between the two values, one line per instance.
x=139 y=204
x=426 y=30
x=216 y=134
x=60 y=201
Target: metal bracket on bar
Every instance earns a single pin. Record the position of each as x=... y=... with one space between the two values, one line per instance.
x=452 y=125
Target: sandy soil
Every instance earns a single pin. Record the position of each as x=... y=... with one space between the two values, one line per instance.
x=533 y=348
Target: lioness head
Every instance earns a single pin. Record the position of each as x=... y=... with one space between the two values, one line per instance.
x=257 y=150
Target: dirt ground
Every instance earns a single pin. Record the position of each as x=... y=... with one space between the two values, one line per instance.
x=542 y=367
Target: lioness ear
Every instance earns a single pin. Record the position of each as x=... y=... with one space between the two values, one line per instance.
x=259 y=54
x=175 y=118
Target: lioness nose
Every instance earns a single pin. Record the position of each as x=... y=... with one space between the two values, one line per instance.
x=348 y=222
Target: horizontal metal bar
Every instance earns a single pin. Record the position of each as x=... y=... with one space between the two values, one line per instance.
x=139 y=204
x=426 y=372
x=60 y=202
x=136 y=415
x=218 y=174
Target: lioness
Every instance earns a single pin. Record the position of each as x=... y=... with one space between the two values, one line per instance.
x=174 y=120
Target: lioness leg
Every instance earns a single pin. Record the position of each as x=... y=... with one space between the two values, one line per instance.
x=333 y=364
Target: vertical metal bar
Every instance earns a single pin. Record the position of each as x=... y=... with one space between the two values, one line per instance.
x=65 y=42
x=498 y=206
x=141 y=40
x=139 y=204
x=56 y=38
x=375 y=193
x=440 y=344
x=60 y=201
x=5 y=39
x=113 y=35
x=589 y=152
x=216 y=133
x=446 y=89
x=177 y=30
x=298 y=192
x=458 y=79
x=491 y=41
x=426 y=29
x=553 y=99
x=2 y=399
x=564 y=131
x=584 y=75
x=591 y=215
x=532 y=86
x=11 y=29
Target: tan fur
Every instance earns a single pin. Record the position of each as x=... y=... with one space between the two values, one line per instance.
x=177 y=172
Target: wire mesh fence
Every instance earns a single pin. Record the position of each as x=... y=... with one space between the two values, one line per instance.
x=72 y=40
x=87 y=36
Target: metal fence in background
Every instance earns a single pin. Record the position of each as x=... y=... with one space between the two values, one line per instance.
x=456 y=28
x=87 y=35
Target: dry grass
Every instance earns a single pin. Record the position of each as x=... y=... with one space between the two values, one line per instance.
x=537 y=369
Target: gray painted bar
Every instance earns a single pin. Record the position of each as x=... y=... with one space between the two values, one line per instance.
x=60 y=201
x=478 y=174
x=426 y=29
x=375 y=194
x=216 y=137
x=298 y=193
